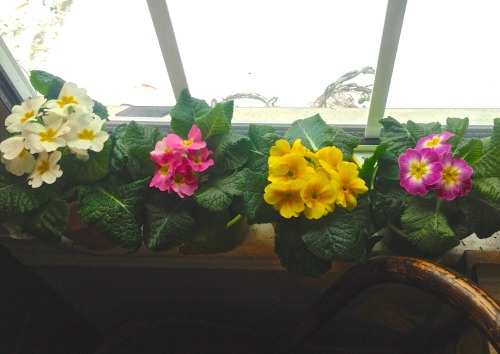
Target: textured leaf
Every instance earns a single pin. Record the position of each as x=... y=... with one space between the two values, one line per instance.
x=184 y=113
x=16 y=196
x=313 y=132
x=91 y=170
x=396 y=136
x=230 y=151
x=167 y=228
x=47 y=84
x=419 y=130
x=488 y=187
x=218 y=194
x=482 y=213
x=427 y=228
x=138 y=141
x=341 y=236
x=369 y=168
x=252 y=204
x=345 y=142
x=114 y=213
x=213 y=123
x=471 y=152
x=262 y=138
x=488 y=165
x=457 y=126
x=227 y=109
x=293 y=253
x=49 y=222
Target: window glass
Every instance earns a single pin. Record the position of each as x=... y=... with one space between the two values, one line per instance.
x=279 y=53
x=447 y=58
x=108 y=47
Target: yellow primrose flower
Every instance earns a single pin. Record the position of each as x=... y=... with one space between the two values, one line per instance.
x=319 y=196
x=290 y=167
x=350 y=185
x=282 y=148
x=285 y=197
x=329 y=157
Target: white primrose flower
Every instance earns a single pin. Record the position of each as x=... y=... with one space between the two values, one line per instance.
x=12 y=147
x=21 y=164
x=71 y=99
x=46 y=137
x=86 y=133
x=24 y=114
x=46 y=169
x=81 y=154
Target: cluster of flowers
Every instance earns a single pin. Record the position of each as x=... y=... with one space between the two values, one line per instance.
x=45 y=129
x=431 y=166
x=177 y=162
x=310 y=182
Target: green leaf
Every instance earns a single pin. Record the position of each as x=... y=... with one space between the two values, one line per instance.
x=49 y=222
x=47 y=84
x=17 y=197
x=165 y=228
x=488 y=164
x=213 y=123
x=482 y=213
x=228 y=108
x=114 y=213
x=100 y=109
x=396 y=136
x=471 y=152
x=345 y=142
x=91 y=170
x=184 y=113
x=339 y=236
x=427 y=228
x=419 y=130
x=262 y=138
x=458 y=127
x=313 y=133
x=138 y=141
x=230 y=151
x=252 y=204
x=218 y=193
x=293 y=253
x=488 y=187
x=369 y=168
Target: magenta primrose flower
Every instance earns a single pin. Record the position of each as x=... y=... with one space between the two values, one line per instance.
x=419 y=170
x=435 y=142
x=193 y=141
x=178 y=161
x=455 y=178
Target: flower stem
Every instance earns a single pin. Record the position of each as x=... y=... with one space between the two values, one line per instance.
x=233 y=221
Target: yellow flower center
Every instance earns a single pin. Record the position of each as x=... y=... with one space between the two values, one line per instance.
x=433 y=142
x=27 y=116
x=66 y=100
x=449 y=175
x=197 y=160
x=22 y=154
x=418 y=170
x=86 y=134
x=164 y=169
x=47 y=136
x=178 y=179
x=44 y=167
x=187 y=142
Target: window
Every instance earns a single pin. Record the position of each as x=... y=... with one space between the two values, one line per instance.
x=270 y=54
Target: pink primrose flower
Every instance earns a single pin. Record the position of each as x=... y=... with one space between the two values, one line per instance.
x=161 y=147
x=166 y=164
x=435 y=142
x=455 y=178
x=183 y=182
x=193 y=141
x=419 y=170
x=198 y=159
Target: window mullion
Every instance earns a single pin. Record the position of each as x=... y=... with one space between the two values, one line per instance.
x=387 y=56
x=17 y=82
x=168 y=44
